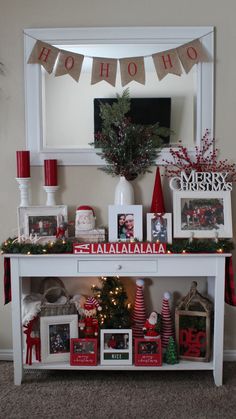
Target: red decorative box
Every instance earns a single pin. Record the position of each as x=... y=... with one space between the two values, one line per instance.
x=83 y=351
x=148 y=352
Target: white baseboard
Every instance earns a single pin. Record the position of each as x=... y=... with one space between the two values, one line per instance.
x=7 y=355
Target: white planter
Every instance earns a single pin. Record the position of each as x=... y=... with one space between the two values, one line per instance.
x=124 y=192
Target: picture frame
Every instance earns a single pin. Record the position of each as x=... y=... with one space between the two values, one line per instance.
x=148 y=352
x=125 y=222
x=55 y=335
x=83 y=351
x=40 y=223
x=159 y=227
x=202 y=214
x=116 y=347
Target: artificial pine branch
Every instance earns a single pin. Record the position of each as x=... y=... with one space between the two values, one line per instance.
x=129 y=149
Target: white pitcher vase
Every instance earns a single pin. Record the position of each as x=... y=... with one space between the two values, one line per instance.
x=124 y=192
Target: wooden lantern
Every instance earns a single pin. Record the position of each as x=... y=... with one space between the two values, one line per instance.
x=193 y=326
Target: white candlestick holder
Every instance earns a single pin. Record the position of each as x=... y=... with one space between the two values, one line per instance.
x=24 y=185
x=51 y=190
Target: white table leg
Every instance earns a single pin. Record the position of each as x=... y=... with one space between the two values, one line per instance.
x=16 y=322
x=218 y=342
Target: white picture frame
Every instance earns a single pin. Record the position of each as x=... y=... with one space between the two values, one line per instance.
x=55 y=335
x=159 y=227
x=116 y=347
x=40 y=223
x=202 y=214
x=132 y=222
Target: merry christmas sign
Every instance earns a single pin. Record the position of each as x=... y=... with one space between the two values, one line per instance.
x=120 y=248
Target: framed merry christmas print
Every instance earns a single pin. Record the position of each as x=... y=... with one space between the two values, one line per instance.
x=125 y=223
x=202 y=214
x=116 y=347
x=148 y=352
x=159 y=227
x=83 y=351
x=55 y=335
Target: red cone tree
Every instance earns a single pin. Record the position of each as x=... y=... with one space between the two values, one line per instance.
x=139 y=312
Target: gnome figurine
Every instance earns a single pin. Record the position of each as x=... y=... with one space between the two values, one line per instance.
x=89 y=324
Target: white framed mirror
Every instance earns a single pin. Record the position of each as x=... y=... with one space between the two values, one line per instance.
x=59 y=111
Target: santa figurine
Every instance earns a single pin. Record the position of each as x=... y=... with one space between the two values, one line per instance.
x=152 y=325
x=89 y=324
x=84 y=219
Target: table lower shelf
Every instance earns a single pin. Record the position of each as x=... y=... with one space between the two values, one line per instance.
x=183 y=365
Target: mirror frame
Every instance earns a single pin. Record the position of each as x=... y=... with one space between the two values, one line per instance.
x=204 y=118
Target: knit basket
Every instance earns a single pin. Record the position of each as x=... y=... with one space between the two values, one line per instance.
x=55 y=309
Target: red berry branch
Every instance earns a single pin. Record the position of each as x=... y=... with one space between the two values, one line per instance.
x=204 y=159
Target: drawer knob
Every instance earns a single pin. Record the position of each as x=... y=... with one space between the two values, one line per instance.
x=119 y=267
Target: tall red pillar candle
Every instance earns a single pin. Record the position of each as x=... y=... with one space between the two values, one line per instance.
x=50 y=172
x=23 y=163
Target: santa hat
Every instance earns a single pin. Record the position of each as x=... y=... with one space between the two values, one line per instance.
x=85 y=208
x=157 y=205
x=91 y=303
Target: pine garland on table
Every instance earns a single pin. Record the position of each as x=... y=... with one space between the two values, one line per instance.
x=11 y=246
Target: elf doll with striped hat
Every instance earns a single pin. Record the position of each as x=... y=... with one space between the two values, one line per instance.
x=89 y=324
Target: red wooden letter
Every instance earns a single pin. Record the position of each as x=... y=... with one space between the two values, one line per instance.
x=166 y=60
x=69 y=63
x=104 y=67
x=44 y=54
x=135 y=69
x=192 y=53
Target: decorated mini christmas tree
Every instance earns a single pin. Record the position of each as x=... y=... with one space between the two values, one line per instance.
x=171 y=356
x=112 y=297
x=167 y=329
x=139 y=312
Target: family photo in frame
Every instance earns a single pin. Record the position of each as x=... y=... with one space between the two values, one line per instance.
x=202 y=214
x=159 y=227
x=125 y=222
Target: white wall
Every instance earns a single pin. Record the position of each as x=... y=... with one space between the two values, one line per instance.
x=81 y=185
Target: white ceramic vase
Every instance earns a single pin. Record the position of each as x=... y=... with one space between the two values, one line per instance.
x=124 y=192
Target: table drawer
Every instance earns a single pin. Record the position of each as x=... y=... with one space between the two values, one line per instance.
x=104 y=267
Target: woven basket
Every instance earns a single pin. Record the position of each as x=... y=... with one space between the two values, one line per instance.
x=54 y=309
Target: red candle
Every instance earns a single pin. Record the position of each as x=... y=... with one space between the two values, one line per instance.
x=50 y=172
x=23 y=163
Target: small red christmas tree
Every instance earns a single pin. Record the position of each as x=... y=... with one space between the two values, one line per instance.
x=167 y=329
x=157 y=205
x=139 y=312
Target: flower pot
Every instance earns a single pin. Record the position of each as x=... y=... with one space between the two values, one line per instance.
x=124 y=192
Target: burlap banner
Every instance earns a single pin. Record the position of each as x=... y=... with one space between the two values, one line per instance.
x=104 y=69
x=69 y=63
x=191 y=53
x=167 y=62
x=44 y=54
x=132 y=69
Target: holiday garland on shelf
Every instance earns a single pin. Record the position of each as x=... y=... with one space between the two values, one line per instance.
x=128 y=148
x=12 y=246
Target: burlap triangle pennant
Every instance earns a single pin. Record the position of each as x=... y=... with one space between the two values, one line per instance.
x=132 y=69
x=104 y=69
x=191 y=53
x=69 y=63
x=44 y=54
x=167 y=62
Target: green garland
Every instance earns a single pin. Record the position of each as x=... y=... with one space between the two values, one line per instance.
x=12 y=246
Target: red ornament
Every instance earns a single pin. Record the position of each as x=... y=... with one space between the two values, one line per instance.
x=50 y=172
x=23 y=164
x=139 y=312
x=167 y=329
x=157 y=205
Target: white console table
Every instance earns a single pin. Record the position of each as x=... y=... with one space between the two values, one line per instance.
x=211 y=266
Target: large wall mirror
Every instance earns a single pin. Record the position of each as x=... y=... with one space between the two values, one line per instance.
x=60 y=111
